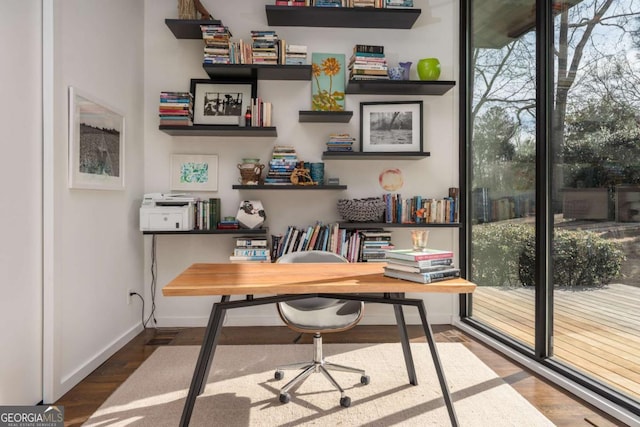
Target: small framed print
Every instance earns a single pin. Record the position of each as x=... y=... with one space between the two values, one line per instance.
x=96 y=143
x=391 y=126
x=221 y=102
x=194 y=172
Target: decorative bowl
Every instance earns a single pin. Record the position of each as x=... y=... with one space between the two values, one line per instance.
x=362 y=210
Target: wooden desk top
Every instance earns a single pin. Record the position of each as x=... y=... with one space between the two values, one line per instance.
x=299 y=278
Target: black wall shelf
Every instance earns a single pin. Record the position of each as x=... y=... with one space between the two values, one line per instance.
x=289 y=187
x=357 y=155
x=219 y=130
x=364 y=225
x=189 y=28
x=399 y=87
x=324 y=116
x=341 y=17
x=259 y=231
x=259 y=71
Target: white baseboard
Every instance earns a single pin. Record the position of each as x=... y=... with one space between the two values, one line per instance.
x=576 y=389
x=72 y=379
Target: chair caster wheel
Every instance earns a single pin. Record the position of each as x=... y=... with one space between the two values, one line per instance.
x=278 y=375
x=286 y=398
x=345 y=402
x=365 y=379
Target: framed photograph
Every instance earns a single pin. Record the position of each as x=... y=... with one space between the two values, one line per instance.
x=221 y=102
x=96 y=144
x=391 y=126
x=194 y=172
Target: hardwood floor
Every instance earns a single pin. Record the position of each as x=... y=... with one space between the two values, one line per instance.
x=557 y=405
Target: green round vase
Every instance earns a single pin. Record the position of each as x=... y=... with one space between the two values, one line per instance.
x=429 y=69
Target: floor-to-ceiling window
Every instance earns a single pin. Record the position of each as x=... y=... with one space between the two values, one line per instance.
x=552 y=144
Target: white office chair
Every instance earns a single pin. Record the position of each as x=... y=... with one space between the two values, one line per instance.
x=317 y=316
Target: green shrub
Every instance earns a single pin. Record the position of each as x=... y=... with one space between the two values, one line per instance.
x=504 y=254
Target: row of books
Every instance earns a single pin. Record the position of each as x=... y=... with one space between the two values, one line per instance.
x=420 y=210
x=368 y=62
x=207 y=214
x=426 y=266
x=348 y=3
x=176 y=108
x=354 y=245
x=487 y=209
x=251 y=249
x=340 y=142
x=261 y=113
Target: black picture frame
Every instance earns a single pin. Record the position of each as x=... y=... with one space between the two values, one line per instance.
x=394 y=126
x=221 y=102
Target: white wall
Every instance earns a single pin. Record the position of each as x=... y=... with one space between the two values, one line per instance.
x=171 y=63
x=20 y=218
x=96 y=250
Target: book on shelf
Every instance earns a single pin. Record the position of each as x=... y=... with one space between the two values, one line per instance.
x=428 y=277
x=411 y=255
x=234 y=258
x=252 y=252
x=251 y=242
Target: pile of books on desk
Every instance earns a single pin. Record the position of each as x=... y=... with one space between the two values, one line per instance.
x=427 y=266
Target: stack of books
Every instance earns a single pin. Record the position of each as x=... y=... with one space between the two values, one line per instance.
x=328 y=3
x=398 y=4
x=228 y=223
x=428 y=266
x=283 y=161
x=295 y=54
x=176 y=109
x=374 y=245
x=291 y=3
x=251 y=249
x=264 y=47
x=216 y=44
x=340 y=142
x=368 y=63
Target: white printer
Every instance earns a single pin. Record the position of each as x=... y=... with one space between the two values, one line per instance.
x=167 y=212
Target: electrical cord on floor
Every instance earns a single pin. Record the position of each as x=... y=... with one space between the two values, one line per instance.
x=154 y=277
x=142 y=299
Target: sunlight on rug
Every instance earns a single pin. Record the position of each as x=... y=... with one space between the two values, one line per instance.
x=241 y=390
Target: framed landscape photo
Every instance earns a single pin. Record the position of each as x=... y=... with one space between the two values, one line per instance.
x=391 y=126
x=194 y=172
x=221 y=102
x=96 y=144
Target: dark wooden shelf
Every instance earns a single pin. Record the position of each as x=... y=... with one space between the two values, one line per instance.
x=387 y=155
x=259 y=71
x=324 y=116
x=399 y=87
x=215 y=231
x=289 y=187
x=342 y=17
x=189 y=28
x=218 y=130
x=362 y=225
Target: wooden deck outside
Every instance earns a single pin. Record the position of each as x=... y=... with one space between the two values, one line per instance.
x=596 y=331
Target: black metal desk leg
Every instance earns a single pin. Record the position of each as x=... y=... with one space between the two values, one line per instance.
x=203 y=364
x=437 y=364
x=406 y=348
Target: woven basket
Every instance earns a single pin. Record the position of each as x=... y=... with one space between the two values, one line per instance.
x=362 y=210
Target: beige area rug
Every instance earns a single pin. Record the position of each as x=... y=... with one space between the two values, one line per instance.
x=241 y=390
